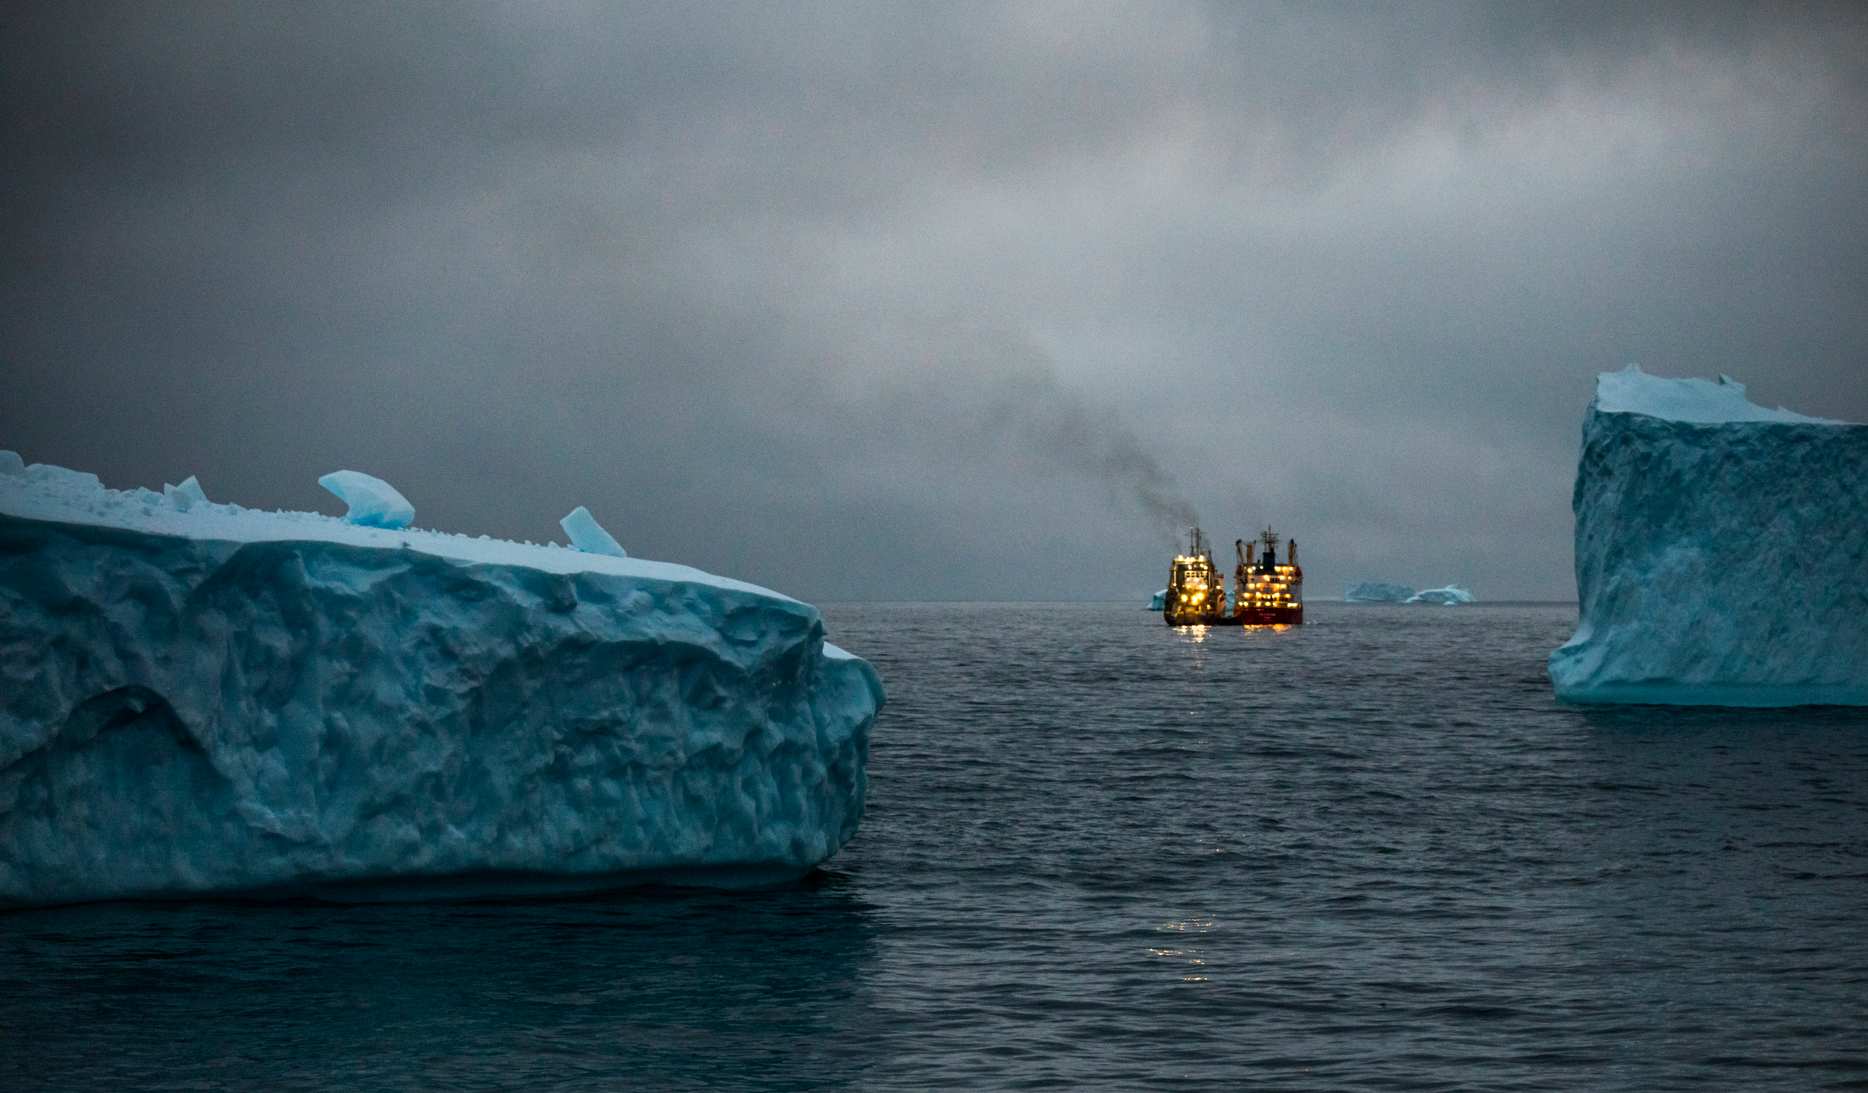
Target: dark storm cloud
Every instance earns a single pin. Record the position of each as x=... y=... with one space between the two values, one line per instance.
x=924 y=300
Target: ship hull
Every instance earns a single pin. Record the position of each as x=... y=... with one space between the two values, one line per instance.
x=1269 y=616
x=1199 y=619
x=1264 y=616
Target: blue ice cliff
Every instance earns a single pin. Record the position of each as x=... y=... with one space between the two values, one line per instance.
x=197 y=699
x=1721 y=551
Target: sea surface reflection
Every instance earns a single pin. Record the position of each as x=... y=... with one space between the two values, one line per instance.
x=654 y=989
x=1370 y=852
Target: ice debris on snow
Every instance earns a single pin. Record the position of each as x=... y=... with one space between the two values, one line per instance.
x=1450 y=595
x=197 y=698
x=1721 y=551
x=1376 y=592
x=588 y=536
x=185 y=496
x=373 y=502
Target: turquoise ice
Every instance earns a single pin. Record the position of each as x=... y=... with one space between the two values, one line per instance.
x=203 y=699
x=1721 y=551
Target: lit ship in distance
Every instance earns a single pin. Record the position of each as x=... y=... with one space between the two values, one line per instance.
x=1265 y=591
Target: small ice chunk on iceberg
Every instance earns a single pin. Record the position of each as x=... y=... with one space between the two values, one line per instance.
x=65 y=480
x=1377 y=592
x=185 y=496
x=373 y=502
x=1450 y=595
x=588 y=536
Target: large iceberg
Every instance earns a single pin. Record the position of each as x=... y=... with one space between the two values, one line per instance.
x=1721 y=551
x=1376 y=592
x=197 y=698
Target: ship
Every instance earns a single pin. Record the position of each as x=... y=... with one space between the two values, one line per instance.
x=1196 y=591
x=1265 y=591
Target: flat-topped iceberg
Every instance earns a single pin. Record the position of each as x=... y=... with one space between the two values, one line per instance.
x=1376 y=592
x=1721 y=551
x=197 y=698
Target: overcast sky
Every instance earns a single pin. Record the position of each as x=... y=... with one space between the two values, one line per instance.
x=924 y=301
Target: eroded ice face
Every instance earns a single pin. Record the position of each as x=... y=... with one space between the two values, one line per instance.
x=198 y=698
x=1719 y=551
x=1632 y=391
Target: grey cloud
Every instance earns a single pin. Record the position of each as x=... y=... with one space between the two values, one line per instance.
x=1348 y=269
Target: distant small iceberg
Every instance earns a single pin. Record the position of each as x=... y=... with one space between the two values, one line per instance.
x=1159 y=603
x=1450 y=595
x=1377 y=592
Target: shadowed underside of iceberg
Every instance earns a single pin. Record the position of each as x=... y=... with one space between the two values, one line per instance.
x=184 y=716
x=1721 y=551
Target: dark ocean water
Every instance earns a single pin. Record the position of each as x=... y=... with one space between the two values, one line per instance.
x=1367 y=853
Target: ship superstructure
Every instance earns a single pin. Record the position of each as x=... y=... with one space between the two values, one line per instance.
x=1196 y=591
x=1265 y=591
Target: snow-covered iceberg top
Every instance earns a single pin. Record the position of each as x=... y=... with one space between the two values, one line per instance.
x=197 y=698
x=1721 y=551
x=1632 y=391
x=45 y=492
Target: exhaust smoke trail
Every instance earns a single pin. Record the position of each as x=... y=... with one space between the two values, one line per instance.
x=1029 y=406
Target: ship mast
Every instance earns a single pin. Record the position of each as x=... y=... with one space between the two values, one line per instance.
x=1197 y=547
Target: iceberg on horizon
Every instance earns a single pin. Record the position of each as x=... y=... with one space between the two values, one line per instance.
x=1451 y=595
x=1721 y=551
x=201 y=699
x=1376 y=592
